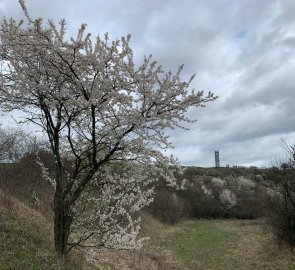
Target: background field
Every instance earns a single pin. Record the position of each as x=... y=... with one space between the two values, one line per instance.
x=205 y=245
x=221 y=244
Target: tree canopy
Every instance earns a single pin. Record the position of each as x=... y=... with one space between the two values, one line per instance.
x=100 y=111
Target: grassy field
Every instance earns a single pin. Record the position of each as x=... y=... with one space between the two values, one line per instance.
x=205 y=245
x=26 y=243
x=219 y=244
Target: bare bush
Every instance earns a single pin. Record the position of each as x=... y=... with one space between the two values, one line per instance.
x=168 y=207
x=281 y=201
x=16 y=144
x=20 y=175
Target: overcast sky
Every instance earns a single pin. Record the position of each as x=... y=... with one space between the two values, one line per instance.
x=242 y=50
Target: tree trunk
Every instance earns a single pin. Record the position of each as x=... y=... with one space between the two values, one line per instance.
x=62 y=225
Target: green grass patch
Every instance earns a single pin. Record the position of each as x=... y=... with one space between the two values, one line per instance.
x=191 y=241
x=220 y=245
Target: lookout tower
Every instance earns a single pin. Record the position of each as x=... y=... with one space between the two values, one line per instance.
x=217 y=164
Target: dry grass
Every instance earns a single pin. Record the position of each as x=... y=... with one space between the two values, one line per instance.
x=204 y=245
x=255 y=248
x=127 y=260
x=222 y=244
x=26 y=240
x=145 y=259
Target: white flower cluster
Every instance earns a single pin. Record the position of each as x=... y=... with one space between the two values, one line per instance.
x=45 y=173
x=218 y=181
x=207 y=191
x=228 y=198
x=245 y=184
x=108 y=216
x=274 y=193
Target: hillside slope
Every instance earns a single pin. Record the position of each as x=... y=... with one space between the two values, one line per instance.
x=26 y=239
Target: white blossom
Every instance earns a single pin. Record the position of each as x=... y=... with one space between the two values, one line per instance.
x=228 y=198
x=245 y=184
x=45 y=173
x=274 y=193
x=207 y=191
x=124 y=194
x=218 y=182
x=184 y=183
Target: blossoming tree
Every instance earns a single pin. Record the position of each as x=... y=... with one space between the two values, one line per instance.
x=102 y=114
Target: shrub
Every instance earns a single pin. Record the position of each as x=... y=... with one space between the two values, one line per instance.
x=228 y=198
x=232 y=196
x=231 y=181
x=245 y=185
x=281 y=201
x=168 y=207
x=218 y=182
x=281 y=205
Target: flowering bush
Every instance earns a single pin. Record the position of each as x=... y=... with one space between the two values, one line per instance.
x=206 y=190
x=245 y=185
x=127 y=189
x=218 y=182
x=228 y=198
